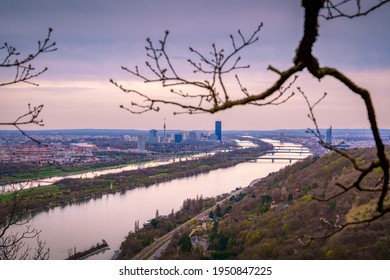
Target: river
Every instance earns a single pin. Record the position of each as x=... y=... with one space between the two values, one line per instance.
x=81 y=225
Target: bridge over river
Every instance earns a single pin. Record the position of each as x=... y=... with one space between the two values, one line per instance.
x=285 y=153
x=271 y=158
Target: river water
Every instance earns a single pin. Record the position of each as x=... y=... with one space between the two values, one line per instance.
x=81 y=225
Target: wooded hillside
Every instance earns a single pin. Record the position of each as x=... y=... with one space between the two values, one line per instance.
x=281 y=218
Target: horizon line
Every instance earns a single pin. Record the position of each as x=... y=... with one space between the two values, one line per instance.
x=176 y=129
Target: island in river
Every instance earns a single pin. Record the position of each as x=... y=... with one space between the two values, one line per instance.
x=70 y=190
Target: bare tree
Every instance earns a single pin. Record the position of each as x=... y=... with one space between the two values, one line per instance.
x=15 y=231
x=212 y=94
x=13 y=245
x=25 y=72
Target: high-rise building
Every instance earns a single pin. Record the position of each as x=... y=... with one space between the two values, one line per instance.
x=141 y=142
x=153 y=136
x=165 y=127
x=218 y=130
x=178 y=137
x=329 y=135
x=192 y=136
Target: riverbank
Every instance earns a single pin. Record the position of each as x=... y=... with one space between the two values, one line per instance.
x=22 y=171
x=147 y=243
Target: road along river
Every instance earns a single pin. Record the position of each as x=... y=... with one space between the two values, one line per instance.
x=83 y=224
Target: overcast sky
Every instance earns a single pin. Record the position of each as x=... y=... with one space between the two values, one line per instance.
x=96 y=37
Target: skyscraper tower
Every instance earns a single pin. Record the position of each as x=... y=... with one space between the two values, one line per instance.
x=141 y=142
x=153 y=136
x=165 y=127
x=329 y=135
x=218 y=130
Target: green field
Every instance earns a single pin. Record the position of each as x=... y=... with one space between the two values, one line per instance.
x=29 y=192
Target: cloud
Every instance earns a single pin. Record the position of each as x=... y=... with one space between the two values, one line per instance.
x=95 y=38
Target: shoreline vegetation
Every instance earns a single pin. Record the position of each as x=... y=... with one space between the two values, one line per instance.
x=58 y=171
x=33 y=170
x=190 y=214
x=77 y=190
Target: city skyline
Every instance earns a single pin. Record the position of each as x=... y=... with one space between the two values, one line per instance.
x=102 y=37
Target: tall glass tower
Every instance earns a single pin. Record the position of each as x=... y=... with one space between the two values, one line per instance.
x=153 y=136
x=329 y=136
x=218 y=130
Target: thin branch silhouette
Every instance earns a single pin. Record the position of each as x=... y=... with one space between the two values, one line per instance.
x=343 y=8
x=30 y=117
x=13 y=244
x=215 y=96
x=25 y=72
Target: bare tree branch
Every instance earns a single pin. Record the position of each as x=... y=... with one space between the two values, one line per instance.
x=350 y=8
x=13 y=244
x=217 y=96
x=363 y=170
x=335 y=228
x=30 y=117
x=216 y=65
x=380 y=187
x=24 y=73
x=383 y=161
